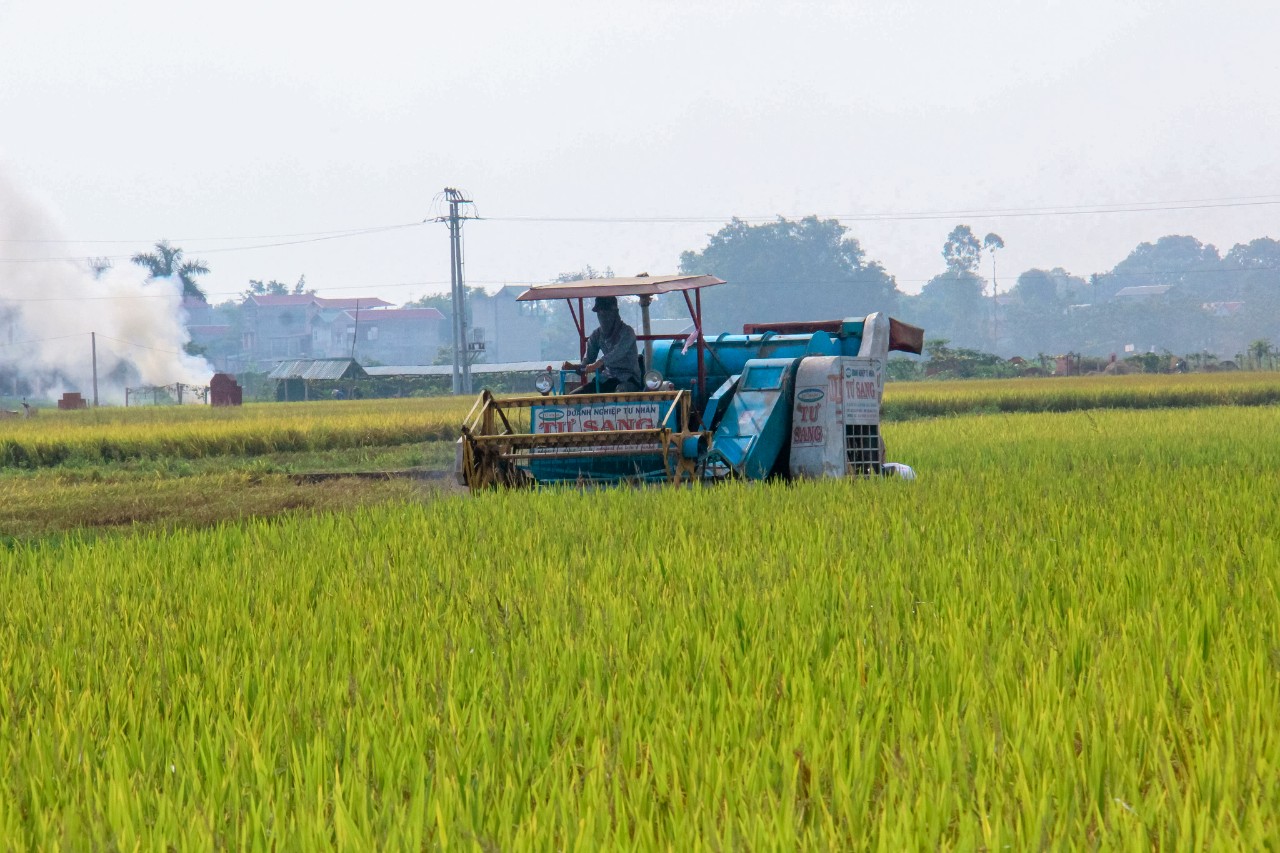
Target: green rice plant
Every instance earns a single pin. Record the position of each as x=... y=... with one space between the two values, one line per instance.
x=1061 y=635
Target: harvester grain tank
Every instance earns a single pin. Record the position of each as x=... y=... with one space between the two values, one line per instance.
x=792 y=400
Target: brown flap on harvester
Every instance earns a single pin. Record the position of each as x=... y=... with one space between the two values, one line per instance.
x=904 y=337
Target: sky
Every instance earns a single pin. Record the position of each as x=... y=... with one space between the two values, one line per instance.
x=275 y=140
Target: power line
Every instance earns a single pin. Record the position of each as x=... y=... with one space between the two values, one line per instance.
x=529 y=282
x=338 y=236
x=916 y=216
x=301 y=237
x=13 y=299
x=367 y=231
x=140 y=346
x=80 y=334
x=337 y=232
x=4 y=299
x=44 y=340
x=298 y=238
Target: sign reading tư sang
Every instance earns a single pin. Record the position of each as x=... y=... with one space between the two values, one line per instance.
x=595 y=417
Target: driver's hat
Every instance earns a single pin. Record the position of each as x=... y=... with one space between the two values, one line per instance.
x=605 y=303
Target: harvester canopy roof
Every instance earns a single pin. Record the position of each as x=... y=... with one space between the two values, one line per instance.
x=636 y=285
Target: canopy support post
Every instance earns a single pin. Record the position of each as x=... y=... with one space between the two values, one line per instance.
x=645 y=301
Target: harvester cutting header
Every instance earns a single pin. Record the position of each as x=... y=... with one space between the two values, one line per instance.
x=794 y=400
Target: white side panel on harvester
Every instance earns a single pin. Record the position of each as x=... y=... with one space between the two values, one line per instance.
x=835 y=424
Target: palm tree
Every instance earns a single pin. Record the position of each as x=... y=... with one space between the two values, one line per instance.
x=1259 y=350
x=166 y=262
x=991 y=244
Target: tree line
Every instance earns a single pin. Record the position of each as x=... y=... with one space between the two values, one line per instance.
x=1176 y=294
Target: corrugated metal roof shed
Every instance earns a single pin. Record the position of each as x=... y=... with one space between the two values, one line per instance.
x=447 y=369
x=1144 y=290
x=318 y=368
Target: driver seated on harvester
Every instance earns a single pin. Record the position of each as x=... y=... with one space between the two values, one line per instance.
x=611 y=349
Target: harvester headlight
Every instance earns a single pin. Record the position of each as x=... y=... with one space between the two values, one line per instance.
x=544 y=383
x=652 y=380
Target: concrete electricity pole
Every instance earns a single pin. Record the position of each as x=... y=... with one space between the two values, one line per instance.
x=93 y=353
x=461 y=362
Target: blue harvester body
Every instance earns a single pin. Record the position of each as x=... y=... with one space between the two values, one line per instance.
x=786 y=399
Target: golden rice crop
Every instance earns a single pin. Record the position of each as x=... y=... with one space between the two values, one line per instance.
x=906 y=400
x=1061 y=635
x=198 y=431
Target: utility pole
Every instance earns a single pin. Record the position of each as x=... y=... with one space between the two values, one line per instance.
x=461 y=360
x=355 y=331
x=93 y=349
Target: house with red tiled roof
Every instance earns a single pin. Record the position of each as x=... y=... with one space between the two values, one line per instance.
x=278 y=326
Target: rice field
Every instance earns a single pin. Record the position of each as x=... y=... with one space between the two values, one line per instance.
x=1063 y=635
x=908 y=400
x=110 y=435
x=196 y=432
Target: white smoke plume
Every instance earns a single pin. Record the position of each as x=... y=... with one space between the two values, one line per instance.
x=48 y=308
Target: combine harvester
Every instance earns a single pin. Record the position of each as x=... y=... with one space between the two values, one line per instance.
x=789 y=400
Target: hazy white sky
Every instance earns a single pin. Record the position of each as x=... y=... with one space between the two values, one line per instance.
x=223 y=125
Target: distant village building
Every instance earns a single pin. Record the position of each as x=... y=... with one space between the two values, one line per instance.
x=382 y=335
x=510 y=331
x=274 y=327
x=199 y=312
x=266 y=329
x=1222 y=309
